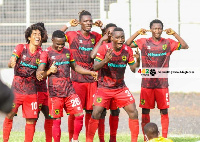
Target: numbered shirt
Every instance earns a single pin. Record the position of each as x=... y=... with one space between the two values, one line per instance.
x=156 y=55
x=112 y=74
x=81 y=47
x=25 y=69
x=59 y=83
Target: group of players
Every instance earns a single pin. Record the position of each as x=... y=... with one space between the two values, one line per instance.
x=88 y=53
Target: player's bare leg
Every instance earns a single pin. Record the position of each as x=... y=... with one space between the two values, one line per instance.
x=164 y=122
x=94 y=122
x=113 y=121
x=133 y=121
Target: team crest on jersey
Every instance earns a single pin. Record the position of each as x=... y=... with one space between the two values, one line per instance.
x=57 y=111
x=164 y=47
x=13 y=105
x=93 y=40
x=123 y=58
x=37 y=61
x=142 y=101
x=40 y=106
x=67 y=55
x=99 y=100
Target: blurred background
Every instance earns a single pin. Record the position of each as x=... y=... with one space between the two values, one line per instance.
x=131 y=15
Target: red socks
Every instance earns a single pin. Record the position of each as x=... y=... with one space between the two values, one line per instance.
x=78 y=124
x=29 y=132
x=165 y=124
x=7 y=126
x=101 y=130
x=134 y=128
x=56 y=131
x=113 y=121
x=48 y=129
x=87 y=119
x=71 y=119
x=92 y=127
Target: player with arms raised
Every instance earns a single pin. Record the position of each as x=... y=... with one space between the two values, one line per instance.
x=156 y=53
x=81 y=43
x=111 y=61
x=24 y=60
x=55 y=62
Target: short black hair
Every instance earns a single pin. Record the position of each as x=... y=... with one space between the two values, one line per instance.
x=83 y=12
x=117 y=29
x=110 y=25
x=156 y=21
x=58 y=34
x=29 y=30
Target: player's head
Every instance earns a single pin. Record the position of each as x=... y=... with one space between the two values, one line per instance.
x=118 y=38
x=58 y=39
x=109 y=28
x=151 y=131
x=85 y=20
x=34 y=34
x=44 y=39
x=156 y=27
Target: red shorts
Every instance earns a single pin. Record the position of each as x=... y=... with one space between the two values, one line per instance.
x=148 y=97
x=71 y=104
x=122 y=97
x=112 y=105
x=42 y=100
x=29 y=105
x=85 y=92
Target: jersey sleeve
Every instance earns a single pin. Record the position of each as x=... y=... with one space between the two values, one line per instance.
x=98 y=37
x=131 y=60
x=174 y=45
x=101 y=53
x=18 y=50
x=139 y=43
x=43 y=58
x=72 y=60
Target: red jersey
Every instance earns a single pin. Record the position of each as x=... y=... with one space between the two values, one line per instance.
x=25 y=69
x=81 y=47
x=112 y=74
x=59 y=83
x=156 y=54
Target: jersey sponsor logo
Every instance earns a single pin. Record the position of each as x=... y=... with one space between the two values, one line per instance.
x=148 y=47
x=93 y=40
x=57 y=111
x=164 y=46
x=123 y=58
x=67 y=55
x=62 y=63
x=15 y=50
x=80 y=41
x=99 y=100
x=126 y=48
x=28 y=65
x=85 y=49
x=116 y=65
x=37 y=61
x=142 y=101
x=157 y=54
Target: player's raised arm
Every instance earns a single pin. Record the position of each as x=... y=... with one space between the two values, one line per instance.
x=130 y=43
x=137 y=64
x=98 y=64
x=82 y=70
x=12 y=62
x=71 y=23
x=182 y=42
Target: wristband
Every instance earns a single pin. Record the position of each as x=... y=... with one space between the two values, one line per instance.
x=68 y=24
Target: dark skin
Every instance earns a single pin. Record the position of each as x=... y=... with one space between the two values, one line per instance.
x=117 y=43
x=156 y=30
